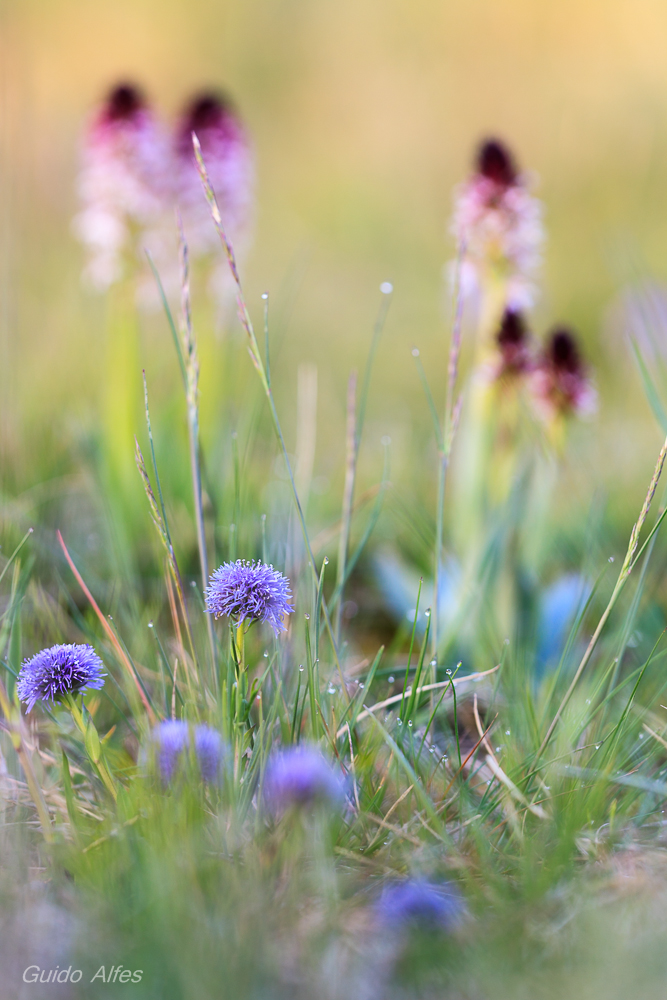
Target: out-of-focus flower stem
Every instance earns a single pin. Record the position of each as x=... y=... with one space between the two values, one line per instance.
x=91 y=742
x=15 y=728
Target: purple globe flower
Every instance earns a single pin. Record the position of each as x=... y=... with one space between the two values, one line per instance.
x=415 y=901
x=59 y=670
x=249 y=591
x=173 y=738
x=301 y=777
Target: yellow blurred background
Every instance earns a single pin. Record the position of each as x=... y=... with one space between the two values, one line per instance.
x=364 y=115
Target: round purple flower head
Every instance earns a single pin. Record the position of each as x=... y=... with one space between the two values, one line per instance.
x=172 y=740
x=415 y=901
x=249 y=591
x=59 y=670
x=301 y=777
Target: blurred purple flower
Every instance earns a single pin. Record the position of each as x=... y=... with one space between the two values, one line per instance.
x=415 y=901
x=300 y=777
x=172 y=739
x=560 y=383
x=229 y=162
x=498 y=223
x=58 y=670
x=123 y=181
x=249 y=591
x=513 y=342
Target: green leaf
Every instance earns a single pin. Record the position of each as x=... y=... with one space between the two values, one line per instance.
x=93 y=746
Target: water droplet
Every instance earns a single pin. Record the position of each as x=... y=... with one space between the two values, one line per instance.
x=150 y=624
x=498 y=749
x=597 y=746
x=434 y=662
x=307 y=617
x=611 y=558
x=588 y=701
x=391 y=678
x=361 y=685
x=431 y=749
x=641 y=736
x=508 y=732
x=448 y=672
x=110 y=618
x=266 y=654
x=331 y=689
x=400 y=722
x=415 y=352
x=385 y=440
x=386 y=288
x=300 y=670
x=427 y=613
x=326 y=560
x=265 y=295
x=506 y=642
x=409 y=722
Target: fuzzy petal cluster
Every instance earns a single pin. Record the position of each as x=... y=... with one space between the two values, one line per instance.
x=560 y=383
x=417 y=902
x=173 y=739
x=122 y=183
x=229 y=162
x=249 y=591
x=300 y=777
x=499 y=223
x=134 y=175
x=513 y=344
x=59 y=670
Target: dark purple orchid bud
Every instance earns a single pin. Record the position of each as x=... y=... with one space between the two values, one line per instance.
x=495 y=162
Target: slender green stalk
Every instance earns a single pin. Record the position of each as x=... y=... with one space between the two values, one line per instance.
x=256 y=358
x=192 y=400
x=446 y=439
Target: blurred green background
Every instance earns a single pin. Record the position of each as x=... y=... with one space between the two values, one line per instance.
x=364 y=115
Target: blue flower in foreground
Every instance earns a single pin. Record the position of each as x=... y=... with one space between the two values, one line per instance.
x=300 y=776
x=59 y=670
x=249 y=591
x=415 y=901
x=172 y=740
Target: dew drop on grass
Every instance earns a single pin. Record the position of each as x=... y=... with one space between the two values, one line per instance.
x=409 y=722
x=597 y=746
x=300 y=670
x=400 y=722
x=391 y=678
x=448 y=672
x=150 y=624
x=385 y=440
x=266 y=654
x=611 y=558
x=508 y=732
x=386 y=288
x=415 y=352
x=427 y=613
x=433 y=663
x=361 y=685
x=331 y=689
x=326 y=560
x=265 y=295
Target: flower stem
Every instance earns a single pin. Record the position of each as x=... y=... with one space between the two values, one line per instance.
x=99 y=765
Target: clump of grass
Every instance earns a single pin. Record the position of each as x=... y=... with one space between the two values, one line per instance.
x=253 y=810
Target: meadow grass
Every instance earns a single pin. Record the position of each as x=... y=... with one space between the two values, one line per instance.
x=492 y=735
